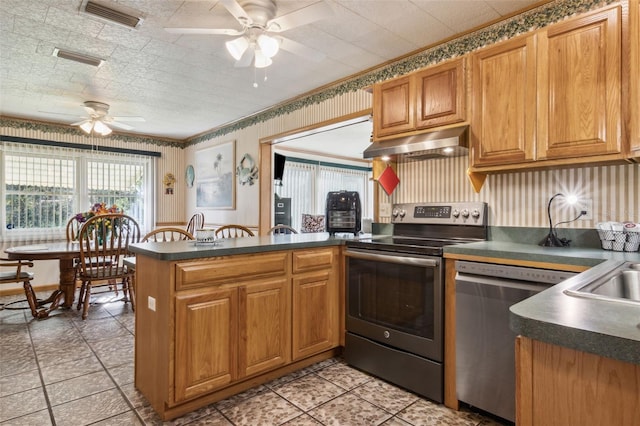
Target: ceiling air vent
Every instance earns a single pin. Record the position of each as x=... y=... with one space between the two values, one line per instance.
x=103 y=11
x=78 y=57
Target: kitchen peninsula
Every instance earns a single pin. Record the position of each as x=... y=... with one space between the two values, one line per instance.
x=214 y=320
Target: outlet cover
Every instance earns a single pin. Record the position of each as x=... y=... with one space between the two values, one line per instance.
x=152 y=303
x=585 y=204
x=385 y=209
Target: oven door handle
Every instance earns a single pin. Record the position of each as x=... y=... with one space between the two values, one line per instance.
x=401 y=260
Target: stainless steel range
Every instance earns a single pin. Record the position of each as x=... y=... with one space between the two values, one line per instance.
x=395 y=293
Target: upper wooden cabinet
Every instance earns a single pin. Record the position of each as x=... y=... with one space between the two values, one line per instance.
x=428 y=98
x=634 y=77
x=550 y=98
x=579 y=87
x=503 y=102
x=393 y=107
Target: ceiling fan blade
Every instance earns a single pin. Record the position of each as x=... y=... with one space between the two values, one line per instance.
x=120 y=125
x=80 y=123
x=62 y=113
x=246 y=58
x=306 y=15
x=237 y=11
x=127 y=119
x=205 y=31
x=301 y=50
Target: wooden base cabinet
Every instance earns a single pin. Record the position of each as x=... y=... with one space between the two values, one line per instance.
x=209 y=328
x=562 y=386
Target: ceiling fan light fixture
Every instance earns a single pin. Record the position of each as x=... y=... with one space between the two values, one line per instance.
x=87 y=127
x=261 y=61
x=237 y=47
x=268 y=45
x=101 y=128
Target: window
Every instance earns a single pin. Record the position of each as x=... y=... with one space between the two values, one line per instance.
x=307 y=183
x=43 y=186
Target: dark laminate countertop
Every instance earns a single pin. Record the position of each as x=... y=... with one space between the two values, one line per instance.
x=601 y=327
x=182 y=250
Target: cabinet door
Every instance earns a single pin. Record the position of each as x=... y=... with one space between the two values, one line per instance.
x=315 y=313
x=206 y=342
x=393 y=107
x=503 y=103
x=441 y=95
x=634 y=77
x=579 y=87
x=264 y=325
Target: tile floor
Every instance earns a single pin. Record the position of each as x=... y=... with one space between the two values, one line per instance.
x=65 y=371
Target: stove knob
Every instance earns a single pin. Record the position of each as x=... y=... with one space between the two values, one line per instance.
x=394 y=213
x=465 y=213
x=455 y=213
x=475 y=213
x=403 y=213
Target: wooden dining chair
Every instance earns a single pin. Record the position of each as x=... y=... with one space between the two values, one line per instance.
x=196 y=222
x=104 y=242
x=17 y=275
x=282 y=229
x=233 y=231
x=167 y=234
x=73 y=228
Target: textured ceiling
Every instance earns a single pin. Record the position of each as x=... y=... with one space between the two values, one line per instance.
x=184 y=85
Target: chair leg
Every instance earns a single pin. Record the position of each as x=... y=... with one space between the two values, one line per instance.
x=31 y=298
x=83 y=288
x=132 y=292
x=87 y=301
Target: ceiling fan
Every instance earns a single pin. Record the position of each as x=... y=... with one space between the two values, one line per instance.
x=258 y=20
x=99 y=121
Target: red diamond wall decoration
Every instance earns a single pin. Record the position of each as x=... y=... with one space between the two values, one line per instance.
x=388 y=180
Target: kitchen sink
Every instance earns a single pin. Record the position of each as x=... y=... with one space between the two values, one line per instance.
x=622 y=285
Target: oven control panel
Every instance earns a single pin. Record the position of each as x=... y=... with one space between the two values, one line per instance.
x=464 y=213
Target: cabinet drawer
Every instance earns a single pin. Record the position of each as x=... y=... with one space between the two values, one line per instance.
x=214 y=271
x=312 y=259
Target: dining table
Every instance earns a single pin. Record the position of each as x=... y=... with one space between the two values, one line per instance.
x=66 y=253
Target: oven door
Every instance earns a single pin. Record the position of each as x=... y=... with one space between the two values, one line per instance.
x=396 y=299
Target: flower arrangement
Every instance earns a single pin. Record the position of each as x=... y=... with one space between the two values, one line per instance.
x=98 y=209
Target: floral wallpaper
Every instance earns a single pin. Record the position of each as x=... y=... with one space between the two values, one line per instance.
x=536 y=18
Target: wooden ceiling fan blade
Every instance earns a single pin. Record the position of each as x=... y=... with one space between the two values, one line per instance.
x=205 y=31
x=237 y=11
x=306 y=15
x=301 y=50
x=246 y=58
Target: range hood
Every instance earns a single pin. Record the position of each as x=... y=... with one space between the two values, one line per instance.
x=451 y=142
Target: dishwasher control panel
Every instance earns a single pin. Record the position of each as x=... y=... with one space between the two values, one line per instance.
x=520 y=273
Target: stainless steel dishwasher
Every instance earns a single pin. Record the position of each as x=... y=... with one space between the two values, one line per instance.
x=485 y=360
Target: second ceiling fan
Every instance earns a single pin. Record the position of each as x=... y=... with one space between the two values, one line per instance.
x=258 y=19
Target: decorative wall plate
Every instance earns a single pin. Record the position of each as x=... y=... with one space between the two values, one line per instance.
x=189 y=175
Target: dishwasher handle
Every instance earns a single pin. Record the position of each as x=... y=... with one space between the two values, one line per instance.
x=468 y=280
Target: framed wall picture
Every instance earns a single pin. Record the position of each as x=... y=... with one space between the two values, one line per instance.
x=215 y=181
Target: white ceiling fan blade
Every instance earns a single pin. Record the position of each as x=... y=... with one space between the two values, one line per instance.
x=127 y=119
x=120 y=125
x=80 y=123
x=205 y=31
x=246 y=59
x=62 y=113
x=301 y=50
x=306 y=15
x=237 y=11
